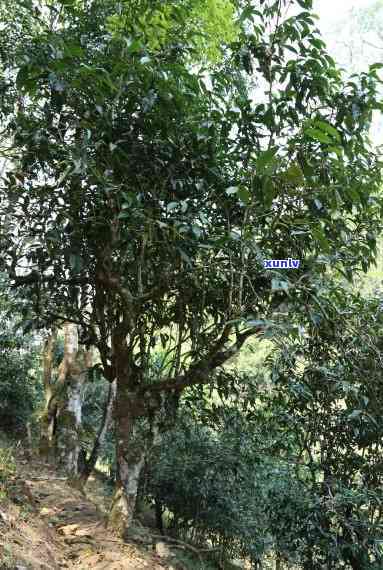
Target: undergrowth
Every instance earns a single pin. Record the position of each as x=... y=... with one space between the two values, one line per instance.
x=7 y=466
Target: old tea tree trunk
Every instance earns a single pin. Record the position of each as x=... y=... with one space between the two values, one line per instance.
x=130 y=460
x=72 y=373
x=130 y=453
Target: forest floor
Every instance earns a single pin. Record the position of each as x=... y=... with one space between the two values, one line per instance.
x=47 y=524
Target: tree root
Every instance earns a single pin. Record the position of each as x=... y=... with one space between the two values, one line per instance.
x=47 y=478
x=182 y=544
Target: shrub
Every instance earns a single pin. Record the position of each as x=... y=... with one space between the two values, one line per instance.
x=20 y=381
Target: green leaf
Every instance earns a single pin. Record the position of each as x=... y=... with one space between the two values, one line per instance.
x=321 y=239
x=269 y=191
x=376 y=66
x=247 y=13
x=291 y=48
x=319 y=44
x=318 y=135
x=336 y=149
x=306 y=4
x=244 y=195
x=329 y=129
x=268 y=118
x=294 y=174
x=134 y=46
x=266 y=158
x=73 y=50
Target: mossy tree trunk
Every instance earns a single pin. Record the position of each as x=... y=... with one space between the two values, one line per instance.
x=47 y=423
x=72 y=374
x=130 y=441
x=137 y=420
x=130 y=457
x=139 y=423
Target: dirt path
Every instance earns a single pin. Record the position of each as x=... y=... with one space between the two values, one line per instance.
x=50 y=525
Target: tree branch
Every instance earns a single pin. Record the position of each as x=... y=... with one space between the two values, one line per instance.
x=199 y=373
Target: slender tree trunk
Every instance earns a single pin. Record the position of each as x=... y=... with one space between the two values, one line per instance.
x=73 y=373
x=47 y=427
x=101 y=435
x=159 y=510
x=46 y=444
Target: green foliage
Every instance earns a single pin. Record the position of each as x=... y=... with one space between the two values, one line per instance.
x=7 y=465
x=198 y=478
x=291 y=467
x=222 y=485
x=206 y=24
x=328 y=397
x=20 y=380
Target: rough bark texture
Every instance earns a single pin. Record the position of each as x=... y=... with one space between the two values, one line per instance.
x=73 y=373
x=135 y=436
x=130 y=461
x=101 y=435
x=46 y=444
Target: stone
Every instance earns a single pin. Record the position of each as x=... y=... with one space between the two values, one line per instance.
x=162 y=550
x=68 y=529
x=45 y=511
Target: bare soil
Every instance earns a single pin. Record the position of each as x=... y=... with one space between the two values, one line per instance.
x=47 y=524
